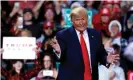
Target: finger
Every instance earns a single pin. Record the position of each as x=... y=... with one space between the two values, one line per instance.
x=116 y=55
x=117 y=58
x=54 y=40
x=54 y=37
x=115 y=61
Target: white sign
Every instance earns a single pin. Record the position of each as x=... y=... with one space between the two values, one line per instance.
x=47 y=73
x=19 y=48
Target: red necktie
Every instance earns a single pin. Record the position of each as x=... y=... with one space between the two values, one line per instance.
x=87 y=71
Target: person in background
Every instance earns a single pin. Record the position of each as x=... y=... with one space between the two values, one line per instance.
x=27 y=22
x=101 y=20
x=48 y=32
x=116 y=14
x=47 y=64
x=115 y=31
x=58 y=13
x=17 y=72
x=25 y=33
x=126 y=5
x=30 y=24
x=116 y=11
x=49 y=15
x=116 y=4
x=115 y=71
x=89 y=6
x=19 y=6
x=128 y=29
x=108 y=4
x=29 y=64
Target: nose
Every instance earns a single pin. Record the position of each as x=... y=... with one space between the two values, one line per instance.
x=81 y=22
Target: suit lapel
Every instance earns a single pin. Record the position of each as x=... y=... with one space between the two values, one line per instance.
x=92 y=45
x=75 y=41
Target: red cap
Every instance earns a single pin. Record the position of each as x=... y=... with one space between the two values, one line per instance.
x=105 y=11
x=116 y=2
x=116 y=10
x=48 y=25
x=108 y=2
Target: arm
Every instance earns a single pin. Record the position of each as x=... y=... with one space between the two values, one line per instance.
x=62 y=46
x=38 y=6
x=4 y=72
x=105 y=58
x=58 y=45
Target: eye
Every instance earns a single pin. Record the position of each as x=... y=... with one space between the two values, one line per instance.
x=77 y=19
x=83 y=19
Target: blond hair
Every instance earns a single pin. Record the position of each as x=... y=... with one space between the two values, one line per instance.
x=78 y=11
x=27 y=31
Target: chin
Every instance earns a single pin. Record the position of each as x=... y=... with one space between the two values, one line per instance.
x=82 y=29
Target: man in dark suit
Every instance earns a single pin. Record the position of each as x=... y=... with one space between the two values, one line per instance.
x=80 y=49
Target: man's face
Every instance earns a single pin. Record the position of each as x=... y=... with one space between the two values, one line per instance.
x=27 y=16
x=80 y=22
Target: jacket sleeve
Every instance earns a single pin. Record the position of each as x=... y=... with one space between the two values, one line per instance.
x=102 y=54
x=62 y=45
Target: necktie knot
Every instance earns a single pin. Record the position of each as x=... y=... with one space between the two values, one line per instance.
x=81 y=32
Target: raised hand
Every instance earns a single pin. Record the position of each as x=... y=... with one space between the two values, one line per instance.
x=40 y=74
x=54 y=43
x=112 y=58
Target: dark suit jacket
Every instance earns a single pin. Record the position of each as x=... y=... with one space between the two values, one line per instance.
x=72 y=65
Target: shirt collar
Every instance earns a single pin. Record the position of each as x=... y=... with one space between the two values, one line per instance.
x=78 y=32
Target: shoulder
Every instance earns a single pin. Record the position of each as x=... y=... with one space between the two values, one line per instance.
x=94 y=31
x=65 y=32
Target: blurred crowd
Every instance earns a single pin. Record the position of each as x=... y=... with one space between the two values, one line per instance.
x=43 y=19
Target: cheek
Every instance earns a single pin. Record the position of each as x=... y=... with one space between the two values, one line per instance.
x=76 y=22
x=14 y=66
x=20 y=65
x=25 y=17
x=114 y=29
x=30 y=16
